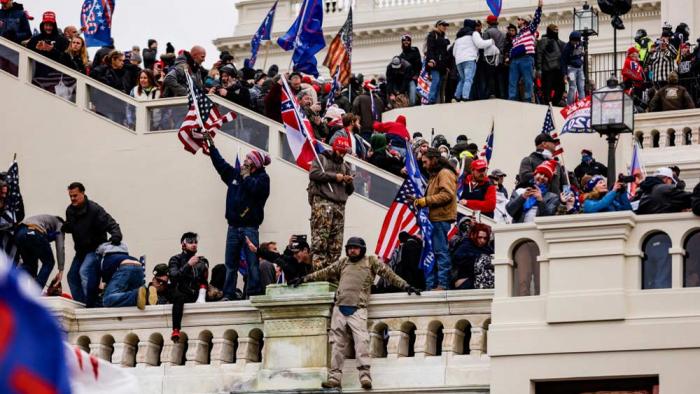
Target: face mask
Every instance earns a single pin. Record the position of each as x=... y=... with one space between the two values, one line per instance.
x=586 y=159
x=547 y=155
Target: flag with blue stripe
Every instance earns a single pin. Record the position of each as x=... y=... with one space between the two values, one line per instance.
x=420 y=186
x=263 y=34
x=305 y=37
x=96 y=22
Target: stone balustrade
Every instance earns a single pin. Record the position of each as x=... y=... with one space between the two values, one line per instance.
x=667 y=129
x=280 y=340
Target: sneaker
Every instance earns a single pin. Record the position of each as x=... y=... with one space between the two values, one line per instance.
x=202 y=298
x=175 y=336
x=330 y=384
x=152 y=295
x=366 y=382
x=141 y=298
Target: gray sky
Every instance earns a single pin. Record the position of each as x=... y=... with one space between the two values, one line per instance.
x=184 y=23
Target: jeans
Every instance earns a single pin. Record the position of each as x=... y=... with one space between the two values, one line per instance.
x=84 y=278
x=466 y=72
x=412 y=93
x=235 y=247
x=434 y=86
x=440 y=276
x=521 y=68
x=577 y=81
x=34 y=247
x=123 y=288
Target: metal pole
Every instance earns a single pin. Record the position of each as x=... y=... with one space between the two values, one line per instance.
x=615 y=51
x=585 y=64
x=612 y=141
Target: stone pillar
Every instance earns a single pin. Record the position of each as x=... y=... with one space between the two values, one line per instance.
x=197 y=352
x=477 y=344
x=695 y=136
x=376 y=345
x=222 y=351
x=663 y=138
x=679 y=136
x=101 y=351
x=296 y=321
x=453 y=342
x=171 y=354
x=677 y=254
x=248 y=349
x=426 y=343
x=398 y=344
x=647 y=140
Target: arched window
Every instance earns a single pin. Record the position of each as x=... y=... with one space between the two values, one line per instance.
x=526 y=269
x=691 y=262
x=656 y=263
x=655 y=138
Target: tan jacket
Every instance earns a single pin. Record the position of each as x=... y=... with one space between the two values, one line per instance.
x=441 y=196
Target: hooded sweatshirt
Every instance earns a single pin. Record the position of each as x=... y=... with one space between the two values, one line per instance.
x=60 y=44
x=468 y=43
x=14 y=24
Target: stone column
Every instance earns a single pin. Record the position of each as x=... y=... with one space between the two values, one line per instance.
x=222 y=351
x=148 y=354
x=248 y=349
x=647 y=140
x=197 y=352
x=477 y=342
x=124 y=354
x=695 y=136
x=376 y=345
x=453 y=341
x=296 y=321
x=398 y=344
x=663 y=138
x=679 y=136
x=171 y=354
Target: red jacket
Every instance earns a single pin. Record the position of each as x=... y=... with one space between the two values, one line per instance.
x=481 y=197
x=632 y=71
x=397 y=127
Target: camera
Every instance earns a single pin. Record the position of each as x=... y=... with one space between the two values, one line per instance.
x=625 y=178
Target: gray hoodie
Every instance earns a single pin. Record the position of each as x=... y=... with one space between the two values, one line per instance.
x=50 y=226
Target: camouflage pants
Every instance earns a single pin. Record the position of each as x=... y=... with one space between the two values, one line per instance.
x=327 y=223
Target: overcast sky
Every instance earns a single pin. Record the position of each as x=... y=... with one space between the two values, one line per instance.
x=182 y=22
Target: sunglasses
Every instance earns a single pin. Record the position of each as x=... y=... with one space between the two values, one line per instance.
x=190 y=241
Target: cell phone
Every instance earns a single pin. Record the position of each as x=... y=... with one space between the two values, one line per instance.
x=567 y=189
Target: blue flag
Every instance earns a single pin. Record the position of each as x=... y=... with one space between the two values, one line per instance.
x=426 y=228
x=305 y=37
x=263 y=34
x=96 y=22
x=495 y=6
x=335 y=86
x=32 y=355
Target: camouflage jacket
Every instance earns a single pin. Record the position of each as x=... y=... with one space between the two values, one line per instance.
x=346 y=272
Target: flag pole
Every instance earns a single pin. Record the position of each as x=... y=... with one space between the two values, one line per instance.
x=304 y=7
x=563 y=164
x=267 y=53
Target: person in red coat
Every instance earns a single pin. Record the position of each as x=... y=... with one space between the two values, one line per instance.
x=478 y=193
x=633 y=73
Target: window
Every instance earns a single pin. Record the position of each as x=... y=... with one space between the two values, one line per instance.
x=656 y=263
x=691 y=261
x=526 y=270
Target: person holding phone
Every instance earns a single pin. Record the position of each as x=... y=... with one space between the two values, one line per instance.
x=598 y=198
x=534 y=198
x=49 y=42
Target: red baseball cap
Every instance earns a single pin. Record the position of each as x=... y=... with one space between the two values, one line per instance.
x=341 y=145
x=491 y=19
x=479 y=164
x=49 y=16
x=4 y=1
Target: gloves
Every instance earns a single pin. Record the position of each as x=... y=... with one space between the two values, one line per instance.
x=420 y=203
x=410 y=289
x=208 y=139
x=295 y=282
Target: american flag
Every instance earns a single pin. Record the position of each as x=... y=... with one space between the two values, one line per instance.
x=423 y=84
x=636 y=169
x=203 y=115
x=488 y=148
x=549 y=128
x=400 y=217
x=14 y=212
x=340 y=52
x=335 y=86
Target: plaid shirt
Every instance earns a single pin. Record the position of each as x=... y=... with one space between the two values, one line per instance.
x=661 y=64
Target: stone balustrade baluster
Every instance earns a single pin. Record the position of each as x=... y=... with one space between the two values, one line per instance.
x=477 y=344
x=197 y=352
x=423 y=343
x=679 y=136
x=647 y=139
x=124 y=354
x=398 y=344
x=222 y=351
x=101 y=351
x=453 y=341
x=663 y=139
x=248 y=349
x=376 y=345
x=695 y=136
x=171 y=354
x=147 y=354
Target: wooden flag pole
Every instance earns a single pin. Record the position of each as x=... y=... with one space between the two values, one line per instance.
x=267 y=54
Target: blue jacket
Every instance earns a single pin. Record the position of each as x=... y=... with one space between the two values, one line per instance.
x=612 y=202
x=245 y=198
x=14 y=24
x=572 y=56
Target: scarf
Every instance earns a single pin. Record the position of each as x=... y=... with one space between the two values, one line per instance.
x=532 y=201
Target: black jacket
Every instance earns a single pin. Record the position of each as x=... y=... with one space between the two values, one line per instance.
x=695 y=202
x=387 y=162
x=14 y=24
x=436 y=50
x=412 y=55
x=592 y=168
x=60 y=44
x=238 y=94
x=100 y=54
x=658 y=197
x=398 y=80
x=530 y=163
x=74 y=62
x=90 y=224
x=185 y=278
x=116 y=79
x=464 y=257
x=290 y=266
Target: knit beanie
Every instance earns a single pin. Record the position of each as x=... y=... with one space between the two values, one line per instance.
x=378 y=142
x=259 y=159
x=547 y=169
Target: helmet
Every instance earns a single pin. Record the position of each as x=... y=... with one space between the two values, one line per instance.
x=356 y=241
x=440 y=140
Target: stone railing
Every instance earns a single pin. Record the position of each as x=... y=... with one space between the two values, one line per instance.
x=668 y=129
x=280 y=341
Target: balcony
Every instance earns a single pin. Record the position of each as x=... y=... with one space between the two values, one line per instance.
x=437 y=340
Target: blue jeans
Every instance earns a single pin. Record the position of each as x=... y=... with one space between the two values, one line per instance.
x=84 y=278
x=440 y=276
x=577 y=81
x=466 y=72
x=235 y=246
x=434 y=86
x=123 y=288
x=34 y=247
x=521 y=67
x=412 y=93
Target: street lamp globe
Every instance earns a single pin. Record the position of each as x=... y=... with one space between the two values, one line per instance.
x=586 y=21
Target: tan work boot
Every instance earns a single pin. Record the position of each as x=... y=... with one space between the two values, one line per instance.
x=366 y=382
x=152 y=295
x=330 y=384
x=141 y=298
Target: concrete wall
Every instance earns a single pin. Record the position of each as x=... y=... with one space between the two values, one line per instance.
x=147 y=182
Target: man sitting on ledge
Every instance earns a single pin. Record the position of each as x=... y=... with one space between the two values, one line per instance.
x=355 y=274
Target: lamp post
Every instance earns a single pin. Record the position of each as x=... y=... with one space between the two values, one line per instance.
x=612 y=114
x=586 y=23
